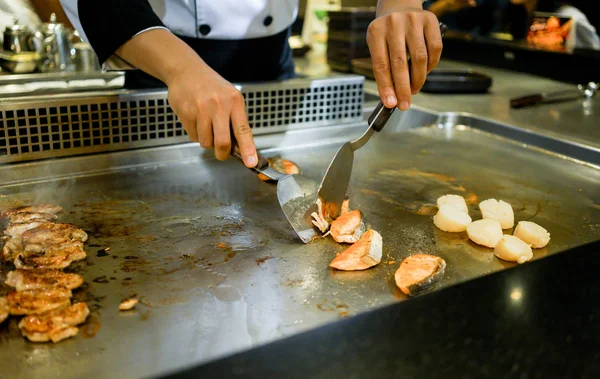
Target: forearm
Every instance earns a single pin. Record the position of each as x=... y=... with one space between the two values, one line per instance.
x=161 y=54
x=386 y=6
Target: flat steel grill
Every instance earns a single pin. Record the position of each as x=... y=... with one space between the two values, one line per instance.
x=79 y=124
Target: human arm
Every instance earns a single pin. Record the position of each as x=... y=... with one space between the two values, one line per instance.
x=206 y=104
x=403 y=26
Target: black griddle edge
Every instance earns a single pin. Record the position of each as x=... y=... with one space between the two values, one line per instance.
x=537 y=320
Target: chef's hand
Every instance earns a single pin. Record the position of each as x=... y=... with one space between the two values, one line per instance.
x=403 y=26
x=208 y=106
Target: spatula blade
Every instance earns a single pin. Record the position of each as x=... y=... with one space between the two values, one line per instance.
x=297 y=196
x=334 y=186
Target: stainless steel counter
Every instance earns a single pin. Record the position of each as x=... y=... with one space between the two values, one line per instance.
x=165 y=211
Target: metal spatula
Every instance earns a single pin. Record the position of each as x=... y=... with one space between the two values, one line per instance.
x=297 y=196
x=334 y=186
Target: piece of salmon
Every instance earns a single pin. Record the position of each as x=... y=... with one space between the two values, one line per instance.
x=319 y=218
x=418 y=272
x=4 y=309
x=281 y=165
x=348 y=228
x=362 y=255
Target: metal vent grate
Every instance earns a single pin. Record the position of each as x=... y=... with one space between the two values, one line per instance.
x=62 y=126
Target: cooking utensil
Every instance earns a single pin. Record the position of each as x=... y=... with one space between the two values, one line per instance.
x=18 y=39
x=334 y=186
x=19 y=63
x=57 y=46
x=581 y=91
x=456 y=81
x=297 y=195
x=84 y=58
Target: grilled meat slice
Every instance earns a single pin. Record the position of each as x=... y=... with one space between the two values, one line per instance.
x=348 y=228
x=32 y=279
x=40 y=208
x=54 y=326
x=52 y=234
x=49 y=257
x=39 y=300
x=12 y=248
x=362 y=255
x=319 y=218
x=21 y=218
x=17 y=230
x=3 y=309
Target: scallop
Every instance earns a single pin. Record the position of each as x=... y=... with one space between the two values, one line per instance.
x=498 y=210
x=513 y=249
x=533 y=234
x=456 y=201
x=486 y=232
x=451 y=219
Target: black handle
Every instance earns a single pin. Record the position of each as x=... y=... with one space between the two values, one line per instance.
x=380 y=116
x=525 y=101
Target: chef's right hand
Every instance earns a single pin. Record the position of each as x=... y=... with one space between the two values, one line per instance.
x=208 y=106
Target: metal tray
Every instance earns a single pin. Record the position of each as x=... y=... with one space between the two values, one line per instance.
x=164 y=211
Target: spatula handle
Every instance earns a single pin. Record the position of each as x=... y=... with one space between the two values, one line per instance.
x=380 y=116
x=235 y=152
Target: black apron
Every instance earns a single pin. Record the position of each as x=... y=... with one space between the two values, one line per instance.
x=238 y=61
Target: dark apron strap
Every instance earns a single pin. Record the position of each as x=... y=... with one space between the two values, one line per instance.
x=238 y=61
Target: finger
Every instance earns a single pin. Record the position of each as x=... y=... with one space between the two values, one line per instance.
x=399 y=62
x=381 y=65
x=243 y=133
x=418 y=59
x=433 y=40
x=189 y=125
x=205 y=131
x=222 y=134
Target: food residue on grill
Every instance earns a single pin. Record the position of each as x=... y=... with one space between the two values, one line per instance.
x=128 y=304
x=102 y=252
x=4 y=310
x=281 y=165
x=362 y=255
x=419 y=272
x=262 y=260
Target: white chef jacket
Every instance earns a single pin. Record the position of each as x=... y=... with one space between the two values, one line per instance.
x=210 y=19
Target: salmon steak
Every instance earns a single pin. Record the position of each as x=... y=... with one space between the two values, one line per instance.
x=348 y=228
x=419 y=272
x=281 y=165
x=362 y=255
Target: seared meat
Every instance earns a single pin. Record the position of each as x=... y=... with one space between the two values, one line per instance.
x=20 y=218
x=50 y=257
x=53 y=234
x=31 y=279
x=56 y=325
x=40 y=208
x=128 y=304
x=3 y=308
x=40 y=300
x=418 y=272
x=348 y=228
x=319 y=218
x=17 y=230
x=362 y=255
x=12 y=248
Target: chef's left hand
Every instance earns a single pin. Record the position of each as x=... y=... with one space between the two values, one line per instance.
x=403 y=26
